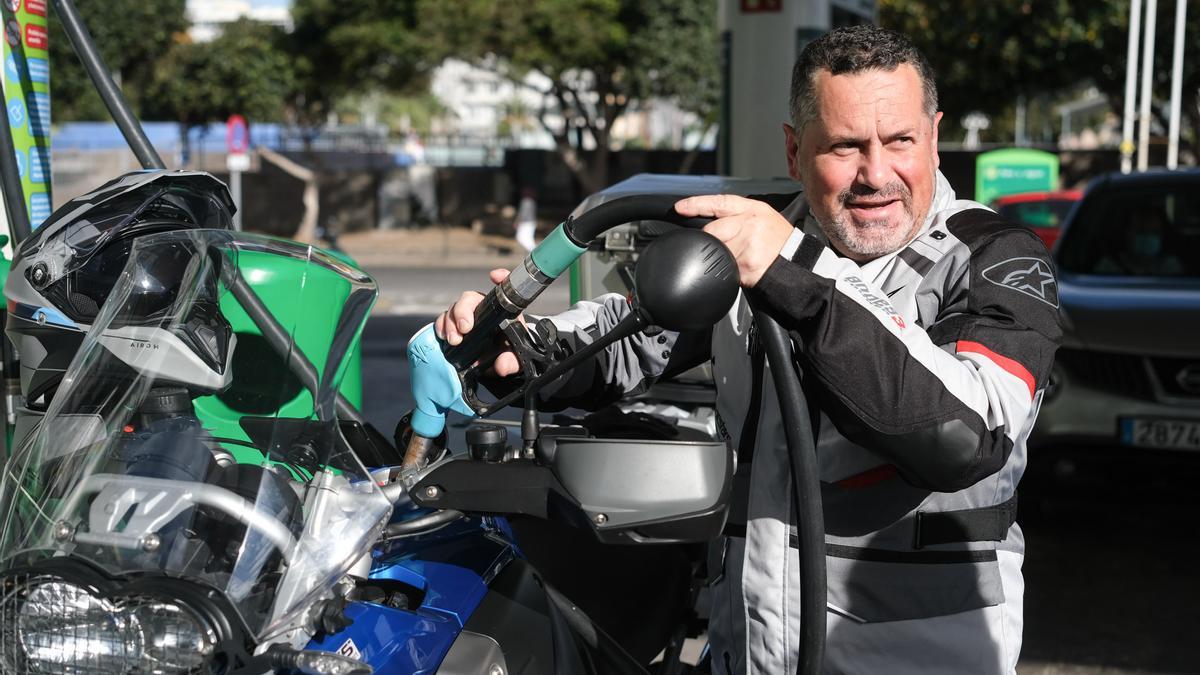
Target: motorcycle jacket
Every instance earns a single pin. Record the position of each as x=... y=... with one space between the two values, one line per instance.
x=923 y=369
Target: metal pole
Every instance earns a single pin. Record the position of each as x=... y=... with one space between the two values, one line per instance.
x=110 y=93
x=1176 y=85
x=1131 y=64
x=235 y=191
x=1019 y=124
x=10 y=182
x=1143 y=159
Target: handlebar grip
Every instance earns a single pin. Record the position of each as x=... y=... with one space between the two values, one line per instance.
x=488 y=316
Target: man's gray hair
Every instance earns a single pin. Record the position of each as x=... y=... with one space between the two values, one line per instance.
x=854 y=49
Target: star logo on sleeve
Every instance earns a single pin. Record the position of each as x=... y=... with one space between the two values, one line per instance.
x=1030 y=276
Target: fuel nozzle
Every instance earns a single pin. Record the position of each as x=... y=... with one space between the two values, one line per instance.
x=417 y=448
x=438 y=368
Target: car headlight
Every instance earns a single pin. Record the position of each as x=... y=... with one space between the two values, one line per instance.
x=58 y=628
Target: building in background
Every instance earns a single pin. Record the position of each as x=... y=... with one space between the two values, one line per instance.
x=484 y=108
x=760 y=40
x=1088 y=122
x=208 y=17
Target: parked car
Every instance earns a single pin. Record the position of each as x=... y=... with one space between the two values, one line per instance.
x=1043 y=212
x=1128 y=372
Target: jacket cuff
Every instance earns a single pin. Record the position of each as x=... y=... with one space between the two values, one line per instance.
x=793 y=291
x=792 y=244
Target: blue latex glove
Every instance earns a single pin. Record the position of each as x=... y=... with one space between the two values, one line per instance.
x=435 y=384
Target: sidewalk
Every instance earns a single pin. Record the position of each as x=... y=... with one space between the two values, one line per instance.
x=431 y=247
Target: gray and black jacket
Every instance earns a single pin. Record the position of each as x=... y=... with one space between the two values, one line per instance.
x=925 y=369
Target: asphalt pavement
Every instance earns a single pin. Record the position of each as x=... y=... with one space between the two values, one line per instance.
x=1110 y=570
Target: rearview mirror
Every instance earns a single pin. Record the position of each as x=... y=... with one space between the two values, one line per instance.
x=686 y=280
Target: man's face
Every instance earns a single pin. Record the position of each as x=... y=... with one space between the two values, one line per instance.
x=868 y=161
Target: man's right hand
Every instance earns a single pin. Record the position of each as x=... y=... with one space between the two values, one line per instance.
x=457 y=321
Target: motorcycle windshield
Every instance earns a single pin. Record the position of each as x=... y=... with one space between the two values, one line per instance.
x=125 y=470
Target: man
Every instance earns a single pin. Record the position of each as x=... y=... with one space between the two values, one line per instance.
x=526 y=222
x=925 y=327
x=1139 y=248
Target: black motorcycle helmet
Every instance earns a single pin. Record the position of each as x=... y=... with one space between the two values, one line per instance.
x=63 y=272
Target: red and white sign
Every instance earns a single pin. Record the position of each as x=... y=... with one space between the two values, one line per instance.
x=37 y=7
x=237 y=135
x=35 y=36
x=761 y=6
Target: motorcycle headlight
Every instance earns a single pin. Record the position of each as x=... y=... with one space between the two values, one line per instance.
x=62 y=628
x=58 y=628
x=174 y=639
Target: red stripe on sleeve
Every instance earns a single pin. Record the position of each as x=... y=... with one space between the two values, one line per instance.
x=869 y=477
x=1005 y=363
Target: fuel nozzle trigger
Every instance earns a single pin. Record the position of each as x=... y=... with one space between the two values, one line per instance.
x=535 y=348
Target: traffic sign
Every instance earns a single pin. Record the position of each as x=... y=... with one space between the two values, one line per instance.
x=237 y=135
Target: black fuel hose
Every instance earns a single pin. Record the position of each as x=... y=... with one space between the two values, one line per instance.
x=598 y=220
x=810 y=519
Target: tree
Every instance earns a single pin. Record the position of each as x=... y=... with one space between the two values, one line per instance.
x=600 y=57
x=1112 y=30
x=342 y=48
x=987 y=52
x=241 y=71
x=131 y=35
x=516 y=117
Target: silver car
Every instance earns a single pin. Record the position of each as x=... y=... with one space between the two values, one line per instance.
x=1128 y=372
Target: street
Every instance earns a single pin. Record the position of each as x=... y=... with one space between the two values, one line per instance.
x=1111 y=587
x=1111 y=583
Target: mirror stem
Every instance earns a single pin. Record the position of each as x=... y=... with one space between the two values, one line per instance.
x=635 y=321
x=529 y=426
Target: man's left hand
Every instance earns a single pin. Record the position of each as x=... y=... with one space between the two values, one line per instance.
x=754 y=232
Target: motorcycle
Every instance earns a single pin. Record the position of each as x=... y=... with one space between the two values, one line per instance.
x=136 y=539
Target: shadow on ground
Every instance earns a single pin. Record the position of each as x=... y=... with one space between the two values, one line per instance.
x=1111 y=568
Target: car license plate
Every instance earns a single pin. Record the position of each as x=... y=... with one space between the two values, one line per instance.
x=1160 y=433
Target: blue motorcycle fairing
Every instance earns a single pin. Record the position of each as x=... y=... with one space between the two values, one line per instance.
x=453 y=566
x=393 y=640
